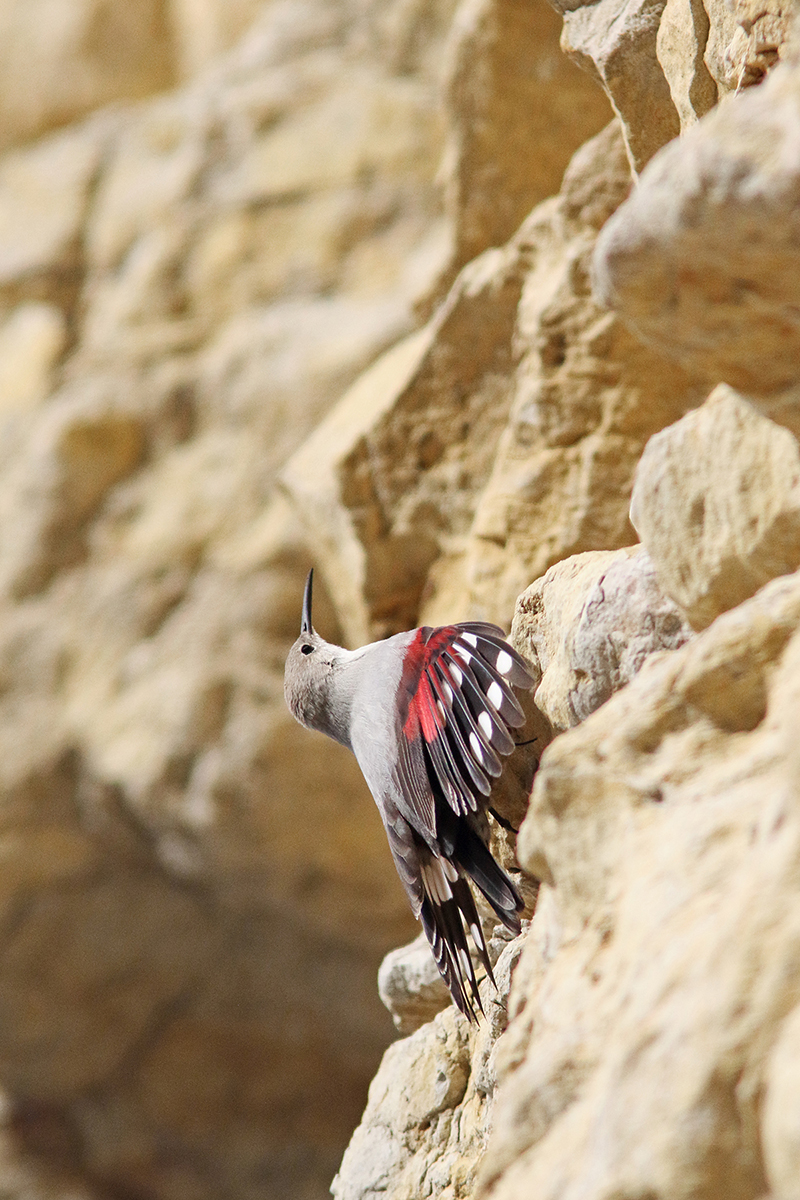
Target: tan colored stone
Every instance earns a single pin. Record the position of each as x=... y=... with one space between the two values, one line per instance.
x=702 y=259
x=31 y=342
x=615 y=41
x=109 y=976
x=188 y=979
x=663 y=961
x=44 y=192
x=72 y=459
x=716 y=501
x=390 y=477
x=780 y=1119
x=325 y=190
x=154 y=164
x=429 y=1106
x=196 y=892
x=586 y=398
x=411 y=987
x=33 y=1162
x=563 y=465
x=61 y=59
x=421 y=1080
x=762 y=38
x=723 y=54
x=205 y=29
x=519 y=110
x=587 y=626
x=680 y=45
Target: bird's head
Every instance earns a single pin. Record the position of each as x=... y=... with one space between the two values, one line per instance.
x=308 y=681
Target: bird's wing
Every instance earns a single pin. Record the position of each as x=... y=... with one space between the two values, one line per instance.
x=443 y=902
x=456 y=707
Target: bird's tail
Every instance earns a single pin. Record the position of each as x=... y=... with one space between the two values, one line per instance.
x=447 y=911
x=471 y=855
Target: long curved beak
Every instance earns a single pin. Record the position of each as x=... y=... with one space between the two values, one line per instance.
x=305 y=625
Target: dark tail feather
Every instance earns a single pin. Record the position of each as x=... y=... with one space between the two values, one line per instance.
x=491 y=880
x=444 y=929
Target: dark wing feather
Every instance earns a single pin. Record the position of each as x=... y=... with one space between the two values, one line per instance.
x=441 y=899
x=456 y=696
x=456 y=704
x=444 y=929
x=453 y=736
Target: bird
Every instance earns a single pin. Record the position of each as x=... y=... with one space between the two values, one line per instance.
x=428 y=715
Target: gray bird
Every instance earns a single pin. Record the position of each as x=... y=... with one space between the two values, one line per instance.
x=427 y=715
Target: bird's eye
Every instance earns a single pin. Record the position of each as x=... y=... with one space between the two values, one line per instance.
x=306 y=649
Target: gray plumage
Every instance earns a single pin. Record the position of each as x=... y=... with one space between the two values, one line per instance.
x=427 y=714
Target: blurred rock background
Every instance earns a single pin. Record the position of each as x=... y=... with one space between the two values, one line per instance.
x=214 y=214
x=285 y=281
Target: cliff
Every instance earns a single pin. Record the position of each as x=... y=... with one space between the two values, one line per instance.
x=368 y=284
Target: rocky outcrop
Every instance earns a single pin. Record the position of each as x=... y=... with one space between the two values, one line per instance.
x=651 y=1030
x=664 y=260
x=368 y=284
x=189 y=949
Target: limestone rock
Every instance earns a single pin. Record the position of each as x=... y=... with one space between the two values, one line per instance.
x=75 y=456
x=781 y=1149
x=44 y=196
x=680 y=44
x=716 y=501
x=702 y=259
x=187 y=972
x=60 y=59
x=204 y=29
x=196 y=892
x=294 y=179
x=479 y=497
x=587 y=629
x=411 y=987
x=615 y=40
x=587 y=395
x=764 y=36
x=32 y=339
x=723 y=55
x=587 y=626
x=422 y=1079
x=643 y=1035
x=391 y=476
x=519 y=110
x=429 y=1106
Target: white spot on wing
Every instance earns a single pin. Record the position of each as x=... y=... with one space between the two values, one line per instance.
x=435 y=882
x=463 y=654
x=495 y=696
x=504 y=662
x=449 y=870
x=477 y=936
x=469 y=638
x=485 y=722
x=463 y=958
x=456 y=674
x=448 y=691
x=476 y=747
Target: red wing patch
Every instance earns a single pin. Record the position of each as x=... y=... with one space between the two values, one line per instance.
x=456 y=707
x=423 y=713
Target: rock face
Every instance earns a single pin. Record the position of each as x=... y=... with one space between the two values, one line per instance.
x=188 y=991
x=667 y=936
x=325 y=293
x=664 y=260
x=715 y=500
x=651 y=1043
x=587 y=626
